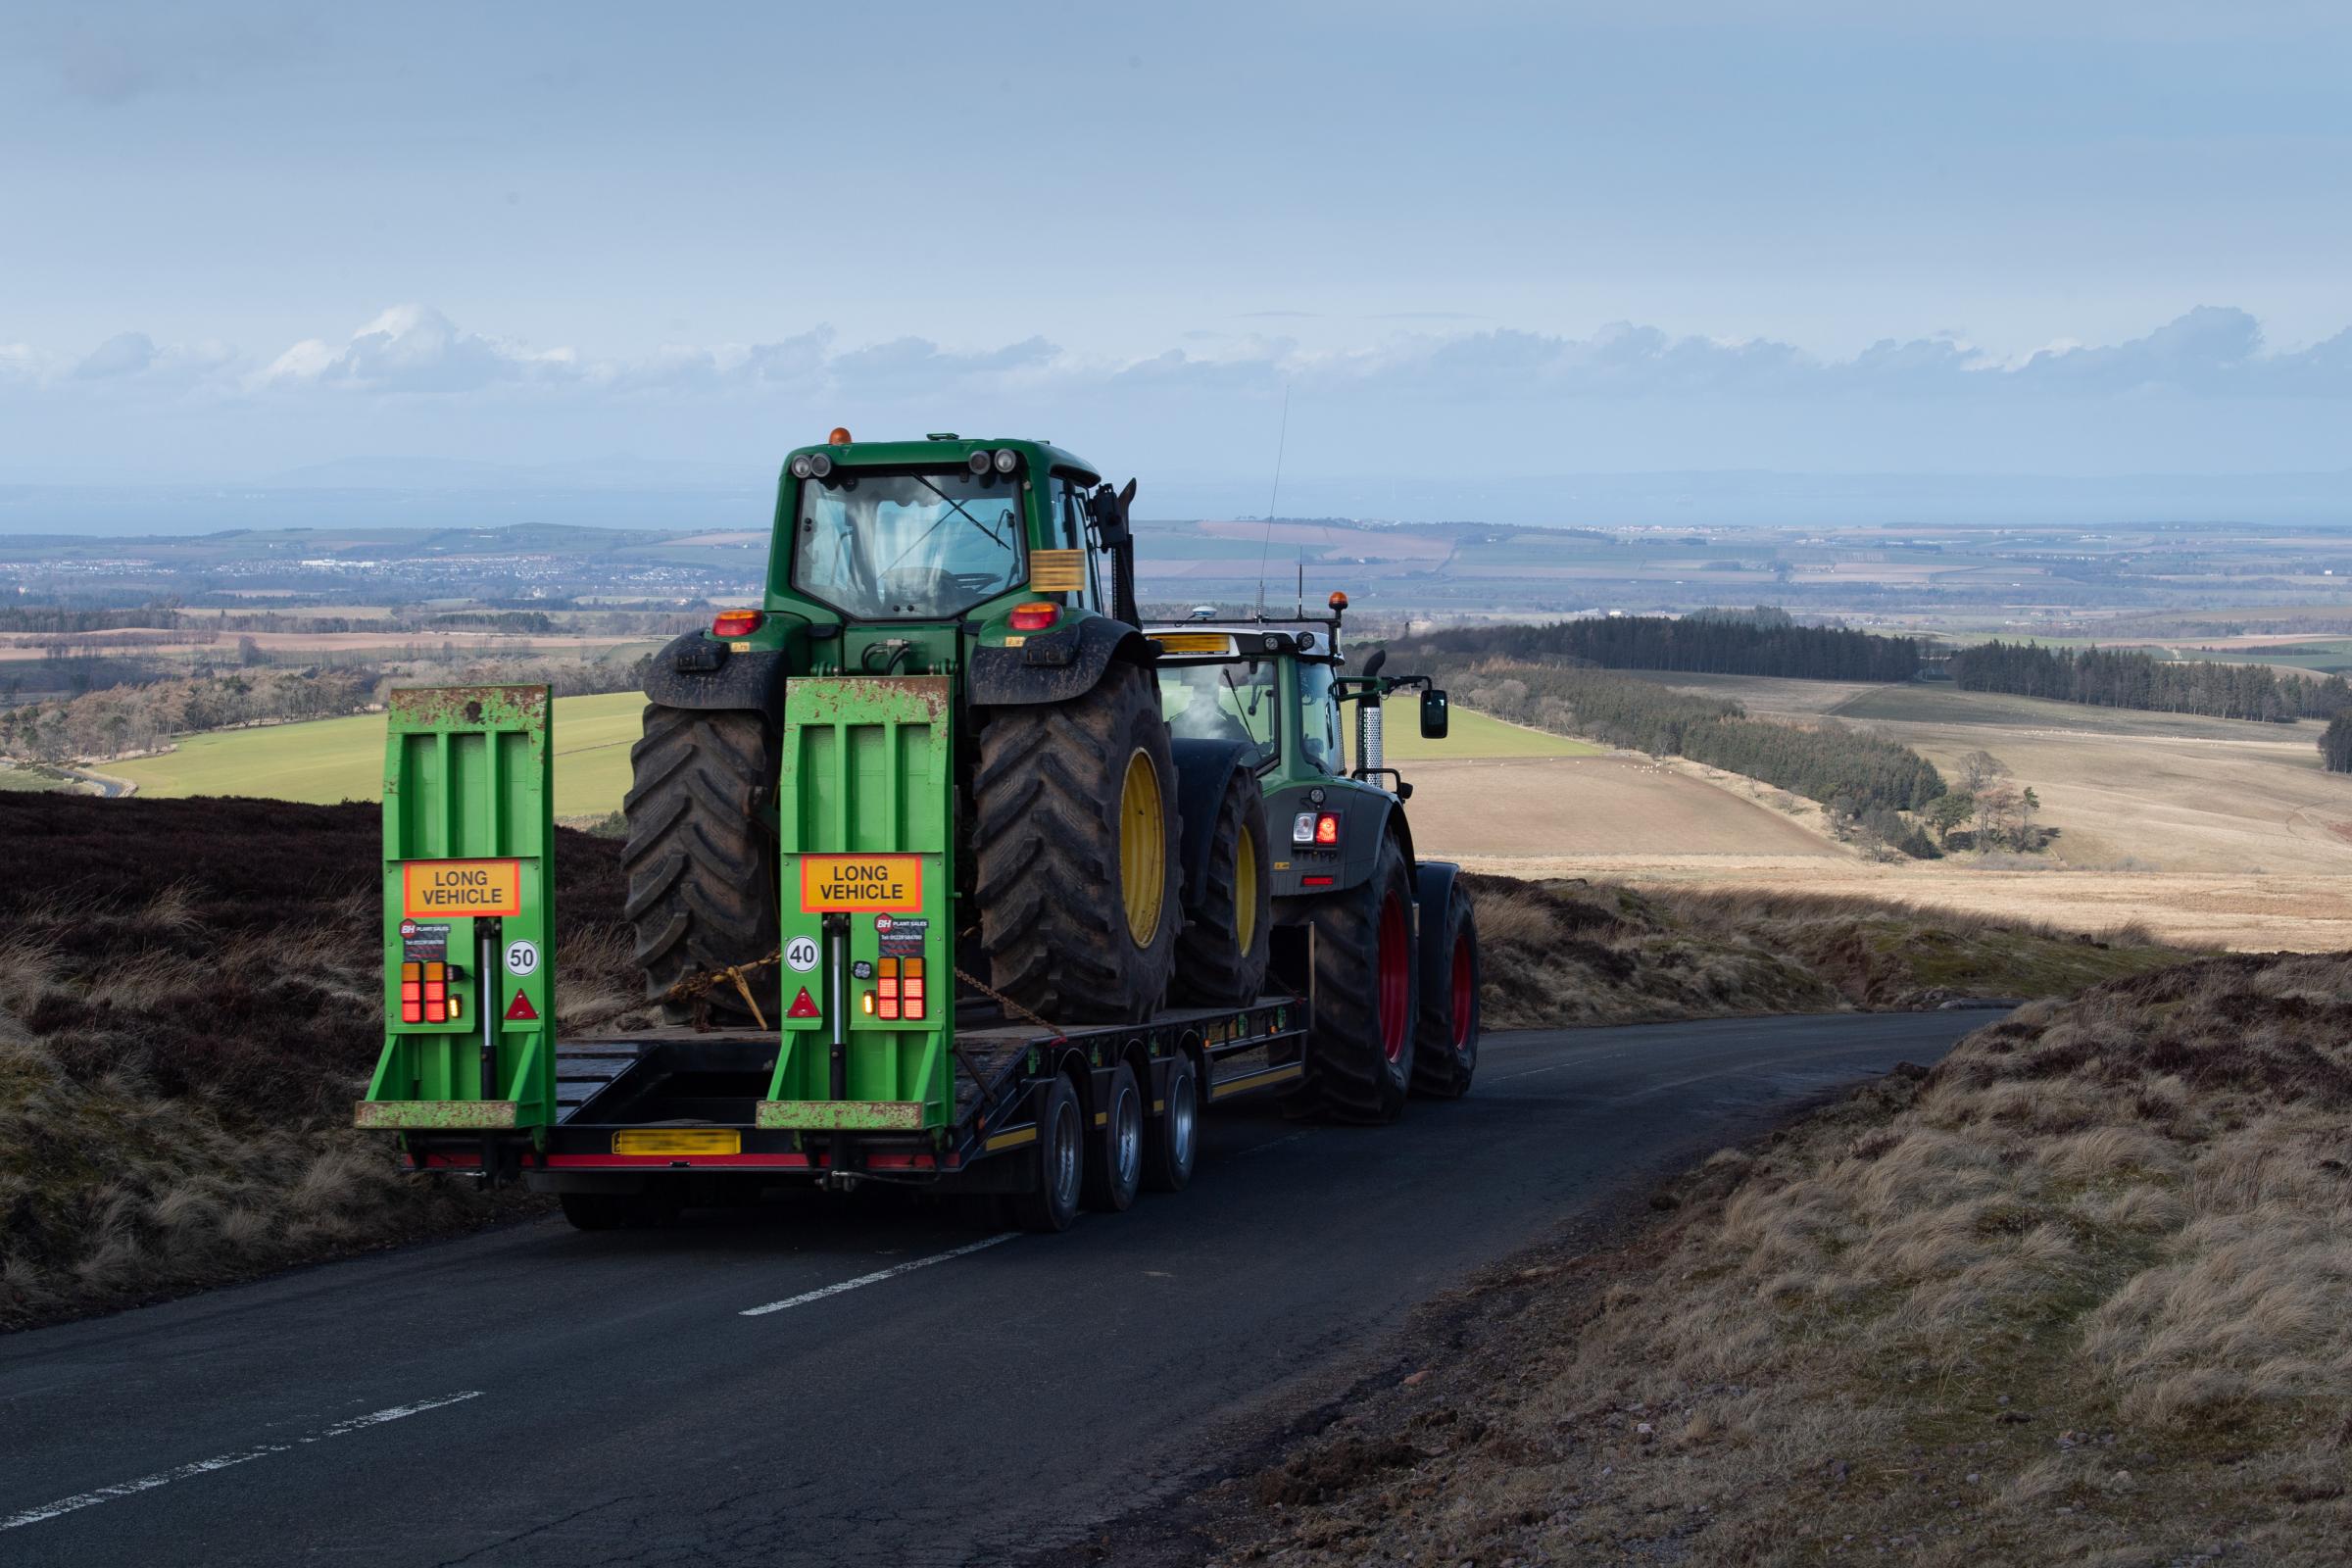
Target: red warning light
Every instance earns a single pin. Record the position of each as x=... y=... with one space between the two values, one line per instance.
x=520 y=1010
x=803 y=1005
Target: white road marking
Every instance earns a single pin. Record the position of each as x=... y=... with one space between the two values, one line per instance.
x=201 y=1467
x=876 y=1278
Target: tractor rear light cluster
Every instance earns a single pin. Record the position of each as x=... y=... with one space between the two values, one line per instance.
x=1319 y=828
x=1035 y=618
x=898 y=989
x=812 y=466
x=732 y=623
x=1003 y=460
x=424 y=993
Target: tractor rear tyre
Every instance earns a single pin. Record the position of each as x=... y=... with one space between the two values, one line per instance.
x=1221 y=957
x=1076 y=836
x=1445 y=1039
x=701 y=858
x=1359 y=1049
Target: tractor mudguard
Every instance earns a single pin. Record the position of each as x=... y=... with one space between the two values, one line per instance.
x=1366 y=817
x=1202 y=771
x=697 y=671
x=1054 y=667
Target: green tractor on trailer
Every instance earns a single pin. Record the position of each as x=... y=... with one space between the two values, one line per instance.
x=917 y=833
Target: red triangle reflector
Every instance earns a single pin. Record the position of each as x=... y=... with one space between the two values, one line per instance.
x=520 y=1010
x=803 y=1005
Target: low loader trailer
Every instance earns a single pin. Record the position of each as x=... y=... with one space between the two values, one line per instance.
x=886 y=1066
x=916 y=834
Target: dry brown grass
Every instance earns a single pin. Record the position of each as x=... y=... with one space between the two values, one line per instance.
x=190 y=1000
x=2078 y=1295
x=1569 y=952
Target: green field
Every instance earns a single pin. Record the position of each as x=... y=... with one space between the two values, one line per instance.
x=343 y=759
x=1468 y=735
x=16 y=778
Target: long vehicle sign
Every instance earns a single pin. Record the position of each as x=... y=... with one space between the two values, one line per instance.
x=831 y=882
x=461 y=887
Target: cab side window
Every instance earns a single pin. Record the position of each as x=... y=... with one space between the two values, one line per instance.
x=1068 y=501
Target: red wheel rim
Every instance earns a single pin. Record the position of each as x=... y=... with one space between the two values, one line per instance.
x=1396 y=976
x=1465 y=989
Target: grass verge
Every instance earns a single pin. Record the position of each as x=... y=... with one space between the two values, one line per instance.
x=2075 y=1296
x=1569 y=952
x=190 y=1001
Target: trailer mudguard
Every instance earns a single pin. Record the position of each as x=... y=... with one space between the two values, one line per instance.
x=697 y=671
x=1054 y=667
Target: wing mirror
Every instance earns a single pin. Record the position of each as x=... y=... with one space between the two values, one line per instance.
x=1434 y=712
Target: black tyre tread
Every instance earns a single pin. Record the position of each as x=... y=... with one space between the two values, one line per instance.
x=1347 y=1078
x=1212 y=968
x=1036 y=1211
x=1101 y=1192
x=1046 y=838
x=1439 y=1070
x=701 y=860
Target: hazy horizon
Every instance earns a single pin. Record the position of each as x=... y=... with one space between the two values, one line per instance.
x=1839 y=244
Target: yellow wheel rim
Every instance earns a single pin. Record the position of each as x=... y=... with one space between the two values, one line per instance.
x=1244 y=890
x=1143 y=848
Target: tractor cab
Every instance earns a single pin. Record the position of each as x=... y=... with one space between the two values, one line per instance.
x=1279 y=686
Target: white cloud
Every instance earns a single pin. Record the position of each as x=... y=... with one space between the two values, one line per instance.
x=416 y=352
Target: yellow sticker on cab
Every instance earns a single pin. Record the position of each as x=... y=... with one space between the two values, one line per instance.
x=446 y=887
x=832 y=882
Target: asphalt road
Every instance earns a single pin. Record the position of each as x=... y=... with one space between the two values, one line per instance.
x=915 y=1392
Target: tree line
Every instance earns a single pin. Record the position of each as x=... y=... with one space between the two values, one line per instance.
x=1848 y=772
x=2132 y=678
x=1765 y=641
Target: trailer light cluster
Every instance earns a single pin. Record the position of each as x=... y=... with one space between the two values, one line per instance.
x=1319 y=828
x=898 y=989
x=424 y=993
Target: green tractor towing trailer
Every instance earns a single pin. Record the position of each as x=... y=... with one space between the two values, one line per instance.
x=946 y=870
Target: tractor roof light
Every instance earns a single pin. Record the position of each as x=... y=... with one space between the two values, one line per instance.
x=840 y=436
x=819 y=464
x=1006 y=460
x=801 y=468
x=978 y=462
x=1034 y=617
x=1338 y=599
x=736 y=623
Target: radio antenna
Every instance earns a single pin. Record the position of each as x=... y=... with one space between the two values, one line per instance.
x=1281 y=442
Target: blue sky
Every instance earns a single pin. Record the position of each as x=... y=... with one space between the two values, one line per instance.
x=1816 y=236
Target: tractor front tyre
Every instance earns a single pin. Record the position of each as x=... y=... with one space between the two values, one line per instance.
x=701 y=858
x=1221 y=957
x=1445 y=1038
x=1075 y=836
x=1360 y=1045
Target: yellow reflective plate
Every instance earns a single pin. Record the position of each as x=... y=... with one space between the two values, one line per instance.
x=860 y=882
x=445 y=888
x=1056 y=572
x=677 y=1140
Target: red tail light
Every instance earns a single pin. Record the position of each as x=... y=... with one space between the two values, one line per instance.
x=731 y=623
x=1035 y=618
x=1327 y=827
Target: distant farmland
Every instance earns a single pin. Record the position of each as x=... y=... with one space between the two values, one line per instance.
x=334 y=760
